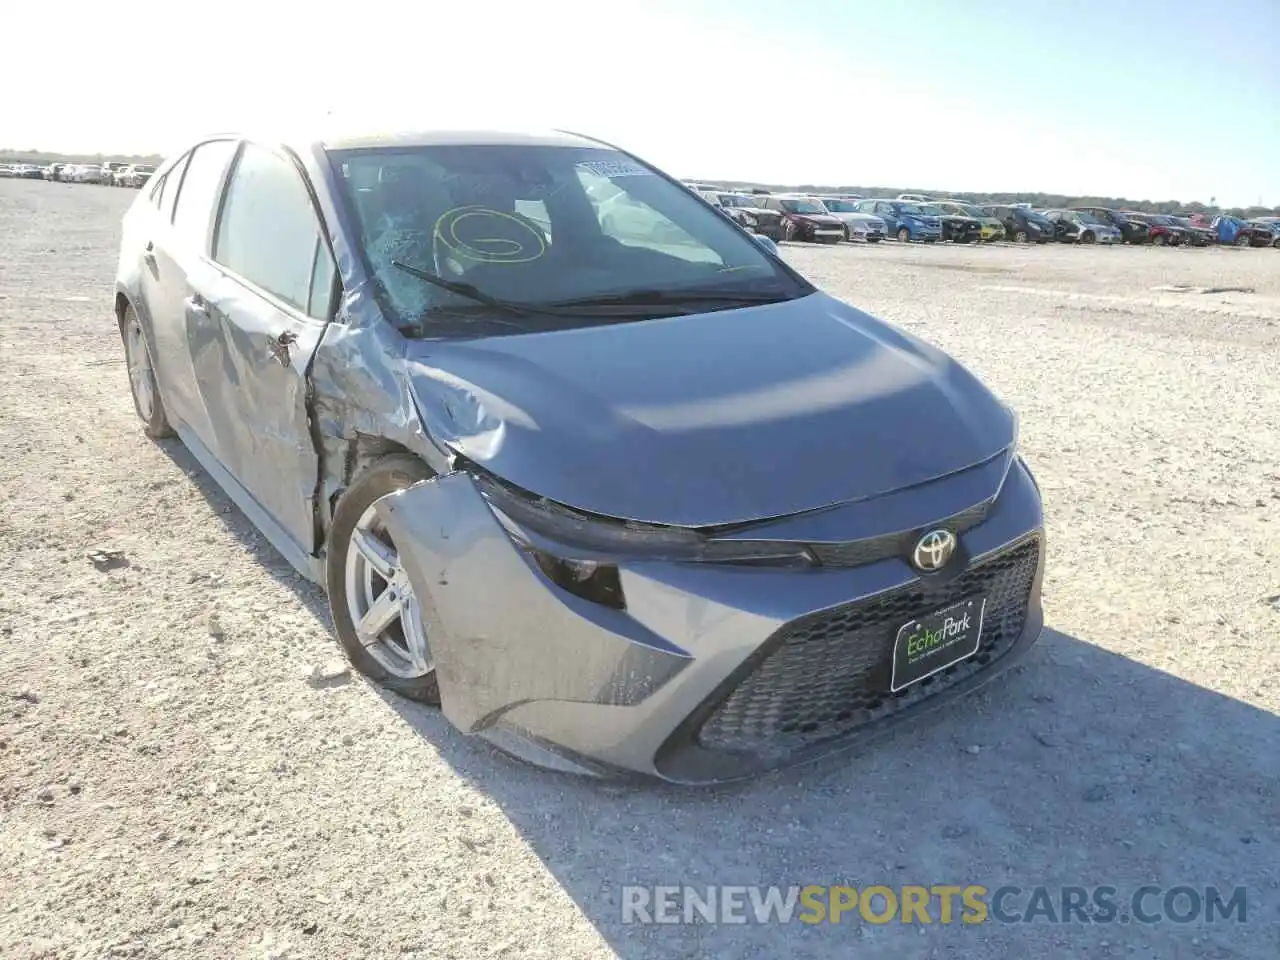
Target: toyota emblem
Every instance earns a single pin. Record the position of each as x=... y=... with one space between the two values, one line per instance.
x=934 y=550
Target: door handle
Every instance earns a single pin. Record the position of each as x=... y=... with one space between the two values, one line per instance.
x=279 y=346
x=148 y=252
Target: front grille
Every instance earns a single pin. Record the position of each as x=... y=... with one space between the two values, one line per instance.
x=855 y=553
x=824 y=675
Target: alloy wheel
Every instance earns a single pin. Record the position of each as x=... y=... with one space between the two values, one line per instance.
x=380 y=599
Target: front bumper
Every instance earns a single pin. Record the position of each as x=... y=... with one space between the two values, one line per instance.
x=871 y=234
x=820 y=233
x=712 y=672
x=925 y=233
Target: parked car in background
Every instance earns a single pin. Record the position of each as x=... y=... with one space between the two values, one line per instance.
x=741 y=208
x=85 y=173
x=1162 y=229
x=904 y=220
x=866 y=227
x=913 y=197
x=1076 y=226
x=1197 y=235
x=1271 y=224
x=1021 y=224
x=107 y=172
x=134 y=175
x=54 y=171
x=27 y=171
x=956 y=228
x=801 y=218
x=1131 y=230
x=991 y=228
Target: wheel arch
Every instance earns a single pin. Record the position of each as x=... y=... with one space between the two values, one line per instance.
x=342 y=460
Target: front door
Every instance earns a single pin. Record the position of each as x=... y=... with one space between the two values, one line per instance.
x=261 y=306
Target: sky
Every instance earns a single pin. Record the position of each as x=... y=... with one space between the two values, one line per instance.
x=1146 y=99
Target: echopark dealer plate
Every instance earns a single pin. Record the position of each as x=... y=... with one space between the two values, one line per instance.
x=936 y=641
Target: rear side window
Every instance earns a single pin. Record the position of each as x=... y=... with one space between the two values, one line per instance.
x=269 y=235
x=156 y=196
x=169 y=189
x=198 y=193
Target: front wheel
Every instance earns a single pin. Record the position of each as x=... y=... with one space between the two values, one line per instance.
x=1159 y=240
x=1020 y=236
x=904 y=235
x=1087 y=237
x=377 y=616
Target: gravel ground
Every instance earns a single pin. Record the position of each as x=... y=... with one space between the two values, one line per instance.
x=172 y=783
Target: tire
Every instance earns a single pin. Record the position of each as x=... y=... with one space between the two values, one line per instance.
x=383 y=476
x=1159 y=240
x=147 y=402
x=1241 y=241
x=1020 y=236
x=789 y=231
x=904 y=235
x=1088 y=237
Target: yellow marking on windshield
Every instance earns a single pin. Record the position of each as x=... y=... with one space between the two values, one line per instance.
x=492 y=249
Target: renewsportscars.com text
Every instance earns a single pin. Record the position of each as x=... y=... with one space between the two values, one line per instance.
x=937 y=903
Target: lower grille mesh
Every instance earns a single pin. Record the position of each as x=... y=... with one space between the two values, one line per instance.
x=829 y=673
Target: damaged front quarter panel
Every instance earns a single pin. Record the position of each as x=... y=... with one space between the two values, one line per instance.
x=500 y=634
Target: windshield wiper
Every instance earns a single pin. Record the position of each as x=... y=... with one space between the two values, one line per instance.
x=669 y=298
x=470 y=292
x=467 y=290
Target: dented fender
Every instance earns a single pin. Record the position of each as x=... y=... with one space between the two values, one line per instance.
x=500 y=634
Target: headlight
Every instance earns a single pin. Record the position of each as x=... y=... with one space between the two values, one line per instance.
x=580 y=551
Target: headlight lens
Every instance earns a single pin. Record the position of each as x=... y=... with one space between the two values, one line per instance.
x=580 y=538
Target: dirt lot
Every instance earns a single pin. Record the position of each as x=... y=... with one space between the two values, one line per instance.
x=172 y=784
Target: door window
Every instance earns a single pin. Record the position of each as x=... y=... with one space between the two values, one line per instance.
x=269 y=235
x=198 y=193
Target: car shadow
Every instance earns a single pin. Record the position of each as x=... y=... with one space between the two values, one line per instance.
x=1078 y=767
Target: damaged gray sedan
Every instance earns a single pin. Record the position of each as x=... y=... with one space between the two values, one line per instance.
x=573 y=456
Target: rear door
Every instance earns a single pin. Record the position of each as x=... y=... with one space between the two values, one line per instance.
x=176 y=252
x=268 y=291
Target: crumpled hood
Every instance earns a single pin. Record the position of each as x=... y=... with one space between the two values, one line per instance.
x=709 y=419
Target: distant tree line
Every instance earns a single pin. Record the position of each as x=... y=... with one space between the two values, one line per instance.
x=1040 y=200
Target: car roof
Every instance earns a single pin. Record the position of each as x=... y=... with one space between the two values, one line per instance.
x=356 y=140
x=340 y=137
